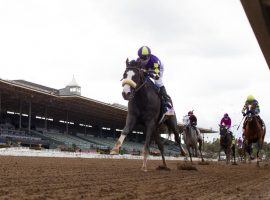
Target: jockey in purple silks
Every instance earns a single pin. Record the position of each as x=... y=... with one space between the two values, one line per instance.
x=155 y=68
x=226 y=121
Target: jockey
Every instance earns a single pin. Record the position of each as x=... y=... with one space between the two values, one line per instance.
x=192 y=119
x=193 y=123
x=152 y=64
x=226 y=121
x=252 y=106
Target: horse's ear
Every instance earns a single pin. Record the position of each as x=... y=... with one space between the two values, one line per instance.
x=127 y=62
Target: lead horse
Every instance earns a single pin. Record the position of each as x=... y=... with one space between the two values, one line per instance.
x=144 y=107
x=253 y=133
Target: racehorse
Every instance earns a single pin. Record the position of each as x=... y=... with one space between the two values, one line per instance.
x=225 y=142
x=145 y=108
x=191 y=139
x=253 y=133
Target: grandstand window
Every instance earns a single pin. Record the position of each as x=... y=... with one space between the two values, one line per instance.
x=10 y=112
x=62 y=121
x=85 y=125
x=74 y=89
x=38 y=117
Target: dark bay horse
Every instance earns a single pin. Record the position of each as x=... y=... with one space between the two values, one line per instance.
x=192 y=140
x=225 y=143
x=253 y=133
x=144 y=107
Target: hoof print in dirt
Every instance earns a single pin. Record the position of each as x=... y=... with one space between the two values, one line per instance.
x=163 y=168
x=186 y=166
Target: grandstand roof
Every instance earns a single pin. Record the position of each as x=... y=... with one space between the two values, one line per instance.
x=258 y=13
x=80 y=109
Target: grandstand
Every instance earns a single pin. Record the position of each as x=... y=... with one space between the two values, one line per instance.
x=35 y=114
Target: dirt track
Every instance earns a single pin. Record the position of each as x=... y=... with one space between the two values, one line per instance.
x=68 y=178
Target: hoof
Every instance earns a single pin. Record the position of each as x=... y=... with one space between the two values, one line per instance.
x=163 y=168
x=234 y=163
x=114 y=152
x=144 y=169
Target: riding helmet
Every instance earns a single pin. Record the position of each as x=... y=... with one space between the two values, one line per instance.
x=144 y=52
x=250 y=98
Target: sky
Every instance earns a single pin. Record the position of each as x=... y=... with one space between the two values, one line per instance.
x=211 y=57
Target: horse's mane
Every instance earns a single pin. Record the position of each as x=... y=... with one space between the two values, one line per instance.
x=134 y=63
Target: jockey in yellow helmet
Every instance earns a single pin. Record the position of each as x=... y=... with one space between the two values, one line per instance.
x=252 y=106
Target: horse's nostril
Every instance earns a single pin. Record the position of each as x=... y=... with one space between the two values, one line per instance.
x=126 y=95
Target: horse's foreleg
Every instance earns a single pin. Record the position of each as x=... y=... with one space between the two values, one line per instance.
x=118 y=144
x=233 y=151
x=189 y=153
x=130 y=123
x=228 y=155
x=195 y=153
x=219 y=153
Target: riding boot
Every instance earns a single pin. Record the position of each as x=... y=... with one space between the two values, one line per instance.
x=167 y=102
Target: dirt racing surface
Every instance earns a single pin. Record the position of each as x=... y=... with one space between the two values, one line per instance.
x=74 y=178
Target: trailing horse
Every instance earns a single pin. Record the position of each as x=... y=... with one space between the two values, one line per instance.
x=192 y=139
x=253 y=133
x=145 y=108
x=225 y=143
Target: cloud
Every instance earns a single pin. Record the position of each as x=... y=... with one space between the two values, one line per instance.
x=212 y=59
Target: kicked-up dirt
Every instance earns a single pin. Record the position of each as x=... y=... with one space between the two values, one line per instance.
x=76 y=178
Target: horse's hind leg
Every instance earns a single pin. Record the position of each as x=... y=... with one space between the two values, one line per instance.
x=200 y=149
x=172 y=126
x=259 y=147
x=149 y=131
